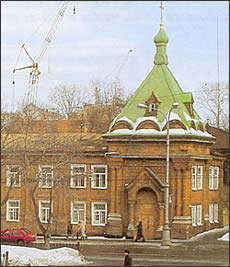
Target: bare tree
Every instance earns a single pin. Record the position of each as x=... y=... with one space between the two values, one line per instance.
x=29 y=149
x=100 y=108
x=108 y=93
x=9 y=121
x=108 y=101
x=213 y=101
x=66 y=97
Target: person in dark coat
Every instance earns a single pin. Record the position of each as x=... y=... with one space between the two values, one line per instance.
x=140 y=232
x=128 y=259
x=69 y=230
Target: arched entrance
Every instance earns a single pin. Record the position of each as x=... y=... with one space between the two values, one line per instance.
x=147 y=210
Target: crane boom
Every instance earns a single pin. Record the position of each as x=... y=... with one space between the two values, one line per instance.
x=23 y=46
x=31 y=95
x=53 y=29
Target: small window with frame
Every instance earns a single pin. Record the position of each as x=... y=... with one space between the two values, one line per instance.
x=99 y=213
x=99 y=176
x=13 y=209
x=78 y=176
x=45 y=176
x=13 y=176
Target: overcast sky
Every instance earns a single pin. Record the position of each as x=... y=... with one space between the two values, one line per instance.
x=93 y=44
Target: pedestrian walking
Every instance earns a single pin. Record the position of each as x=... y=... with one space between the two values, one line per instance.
x=128 y=259
x=140 y=232
x=78 y=229
x=83 y=233
x=69 y=230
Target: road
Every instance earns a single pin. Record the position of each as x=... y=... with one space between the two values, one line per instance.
x=151 y=254
x=204 y=251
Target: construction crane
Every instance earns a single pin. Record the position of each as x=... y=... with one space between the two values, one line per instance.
x=117 y=70
x=31 y=94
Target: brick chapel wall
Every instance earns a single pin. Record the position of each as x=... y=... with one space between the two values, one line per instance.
x=181 y=192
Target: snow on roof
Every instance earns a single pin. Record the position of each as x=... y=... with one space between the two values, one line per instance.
x=122 y=131
x=142 y=119
x=195 y=120
x=190 y=131
x=200 y=133
x=19 y=256
x=177 y=131
x=173 y=116
x=127 y=120
x=187 y=117
x=147 y=131
x=113 y=122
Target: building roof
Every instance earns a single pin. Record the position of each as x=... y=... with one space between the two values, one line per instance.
x=160 y=87
x=222 y=139
x=52 y=143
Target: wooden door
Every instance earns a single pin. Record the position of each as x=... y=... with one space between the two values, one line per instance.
x=147 y=211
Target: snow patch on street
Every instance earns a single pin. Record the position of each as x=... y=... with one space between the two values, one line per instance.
x=21 y=256
x=224 y=237
x=216 y=230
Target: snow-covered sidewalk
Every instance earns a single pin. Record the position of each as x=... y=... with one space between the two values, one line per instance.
x=224 y=237
x=214 y=233
x=22 y=256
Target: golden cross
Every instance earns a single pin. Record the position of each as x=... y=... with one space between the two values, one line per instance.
x=161 y=7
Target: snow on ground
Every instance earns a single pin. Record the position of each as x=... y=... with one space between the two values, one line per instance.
x=215 y=230
x=21 y=256
x=224 y=237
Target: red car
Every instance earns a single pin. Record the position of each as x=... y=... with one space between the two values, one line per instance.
x=20 y=236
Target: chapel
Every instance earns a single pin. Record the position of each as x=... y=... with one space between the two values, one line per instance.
x=137 y=157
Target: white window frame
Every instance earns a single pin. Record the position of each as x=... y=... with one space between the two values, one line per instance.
x=214 y=177
x=215 y=213
x=72 y=173
x=13 y=208
x=211 y=177
x=193 y=215
x=46 y=185
x=199 y=214
x=77 y=210
x=194 y=177
x=93 y=180
x=197 y=177
x=211 y=213
x=9 y=172
x=40 y=208
x=100 y=213
x=196 y=215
